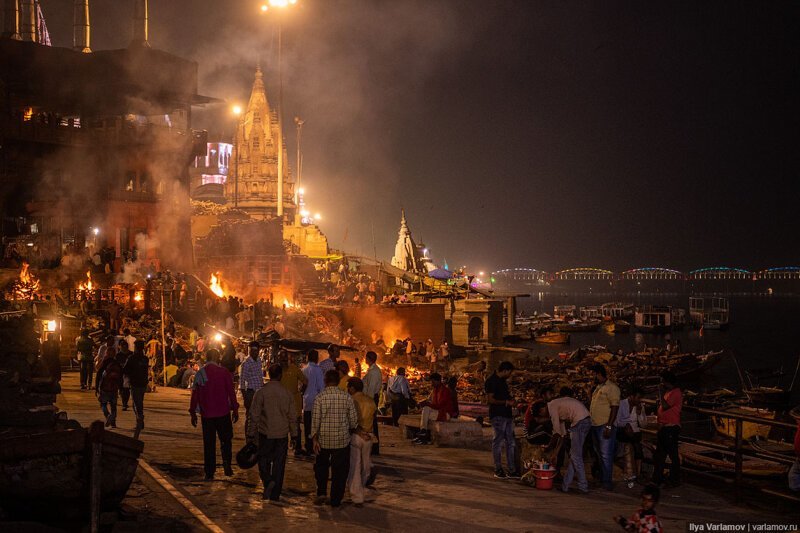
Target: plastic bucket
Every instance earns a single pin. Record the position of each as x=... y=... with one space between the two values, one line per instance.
x=544 y=478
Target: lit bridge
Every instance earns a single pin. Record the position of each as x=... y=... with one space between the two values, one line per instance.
x=533 y=275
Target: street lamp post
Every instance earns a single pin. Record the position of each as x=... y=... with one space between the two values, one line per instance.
x=264 y=9
x=299 y=122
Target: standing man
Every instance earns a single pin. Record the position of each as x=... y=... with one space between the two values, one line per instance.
x=137 y=370
x=315 y=384
x=333 y=419
x=360 y=476
x=194 y=336
x=130 y=339
x=438 y=406
x=213 y=397
x=292 y=378
x=251 y=379
x=399 y=394
x=573 y=412
x=332 y=360
x=84 y=345
x=373 y=382
x=502 y=419
x=670 y=402
x=603 y=409
x=273 y=417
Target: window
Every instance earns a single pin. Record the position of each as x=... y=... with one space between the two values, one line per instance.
x=256 y=143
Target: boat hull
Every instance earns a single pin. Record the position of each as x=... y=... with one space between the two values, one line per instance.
x=48 y=474
x=553 y=338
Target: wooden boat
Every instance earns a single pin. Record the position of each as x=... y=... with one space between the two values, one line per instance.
x=578 y=326
x=618 y=326
x=48 y=474
x=552 y=337
x=768 y=396
x=701 y=456
x=727 y=426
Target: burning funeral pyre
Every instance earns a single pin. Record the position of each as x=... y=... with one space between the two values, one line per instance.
x=25 y=286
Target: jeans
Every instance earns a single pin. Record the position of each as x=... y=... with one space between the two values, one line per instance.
x=247 y=396
x=577 y=434
x=399 y=408
x=212 y=427
x=667 y=445
x=605 y=449
x=109 y=399
x=87 y=369
x=125 y=395
x=272 y=463
x=137 y=395
x=338 y=462
x=503 y=435
x=360 y=466
x=794 y=475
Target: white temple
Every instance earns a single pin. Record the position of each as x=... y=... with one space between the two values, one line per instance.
x=407 y=255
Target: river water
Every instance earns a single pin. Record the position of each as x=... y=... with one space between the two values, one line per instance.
x=763 y=333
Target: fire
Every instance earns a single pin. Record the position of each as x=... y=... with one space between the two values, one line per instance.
x=138 y=296
x=88 y=286
x=287 y=303
x=26 y=285
x=216 y=285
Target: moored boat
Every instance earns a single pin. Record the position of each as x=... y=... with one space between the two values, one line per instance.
x=576 y=326
x=552 y=337
x=727 y=426
x=617 y=326
x=48 y=474
x=719 y=460
x=653 y=319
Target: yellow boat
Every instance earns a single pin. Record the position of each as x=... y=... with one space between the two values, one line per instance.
x=727 y=426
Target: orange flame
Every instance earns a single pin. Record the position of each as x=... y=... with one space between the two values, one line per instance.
x=88 y=286
x=27 y=284
x=216 y=285
x=138 y=296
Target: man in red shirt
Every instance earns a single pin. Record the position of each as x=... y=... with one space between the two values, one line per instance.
x=670 y=401
x=214 y=398
x=439 y=406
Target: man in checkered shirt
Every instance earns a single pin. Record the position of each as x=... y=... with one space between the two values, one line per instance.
x=251 y=379
x=333 y=419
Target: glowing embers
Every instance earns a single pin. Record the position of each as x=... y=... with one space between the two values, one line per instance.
x=88 y=285
x=26 y=285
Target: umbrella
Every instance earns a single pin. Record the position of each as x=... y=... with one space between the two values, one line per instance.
x=440 y=273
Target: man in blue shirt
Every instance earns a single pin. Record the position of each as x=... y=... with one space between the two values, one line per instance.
x=316 y=382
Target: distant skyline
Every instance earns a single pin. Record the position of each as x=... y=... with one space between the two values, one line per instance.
x=518 y=134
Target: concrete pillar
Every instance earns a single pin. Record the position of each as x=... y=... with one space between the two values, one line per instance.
x=11 y=20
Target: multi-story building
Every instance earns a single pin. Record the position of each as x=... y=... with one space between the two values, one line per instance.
x=95 y=147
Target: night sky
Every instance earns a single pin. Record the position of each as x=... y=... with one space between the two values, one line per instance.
x=518 y=134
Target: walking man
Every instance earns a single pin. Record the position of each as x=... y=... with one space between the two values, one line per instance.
x=502 y=419
x=273 y=417
x=373 y=383
x=670 y=402
x=292 y=379
x=123 y=353
x=359 y=475
x=563 y=411
x=84 y=345
x=331 y=361
x=333 y=419
x=251 y=379
x=213 y=397
x=603 y=409
x=399 y=394
x=137 y=372
x=107 y=384
x=315 y=383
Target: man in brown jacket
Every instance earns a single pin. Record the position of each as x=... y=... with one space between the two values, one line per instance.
x=273 y=419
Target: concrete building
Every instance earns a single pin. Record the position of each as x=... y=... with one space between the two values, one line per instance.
x=95 y=147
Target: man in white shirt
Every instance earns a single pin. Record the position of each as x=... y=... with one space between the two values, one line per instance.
x=570 y=411
x=630 y=418
x=373 y=382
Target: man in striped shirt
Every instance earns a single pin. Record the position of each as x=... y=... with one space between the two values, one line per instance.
x=251 y=379
x=333 y=419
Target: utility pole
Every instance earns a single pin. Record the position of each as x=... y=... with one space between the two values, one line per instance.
x=299 y=122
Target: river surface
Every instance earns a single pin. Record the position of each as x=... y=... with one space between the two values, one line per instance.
x=764 y=333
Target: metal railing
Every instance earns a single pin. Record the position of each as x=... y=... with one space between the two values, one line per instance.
x=738 y=449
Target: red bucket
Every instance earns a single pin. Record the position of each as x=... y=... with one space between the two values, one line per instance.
x=544 y=478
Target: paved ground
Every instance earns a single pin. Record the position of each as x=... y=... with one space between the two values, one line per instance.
x=420 y=488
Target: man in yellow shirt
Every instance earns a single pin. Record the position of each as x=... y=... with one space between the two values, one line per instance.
x=293 y=379
x=360 y=442
x=603 y=411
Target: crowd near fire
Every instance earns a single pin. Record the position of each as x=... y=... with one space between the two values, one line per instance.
x=172 y=315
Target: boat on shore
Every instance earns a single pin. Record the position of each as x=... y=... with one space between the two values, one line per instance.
x=724 y=461
x=578 y=326
x=49 y=474
x=727 y=426
x=552 y=337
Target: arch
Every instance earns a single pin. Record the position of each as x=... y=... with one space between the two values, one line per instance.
x=647 y=273
x=720 y=273
x=475 y=329
x=584 y=273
